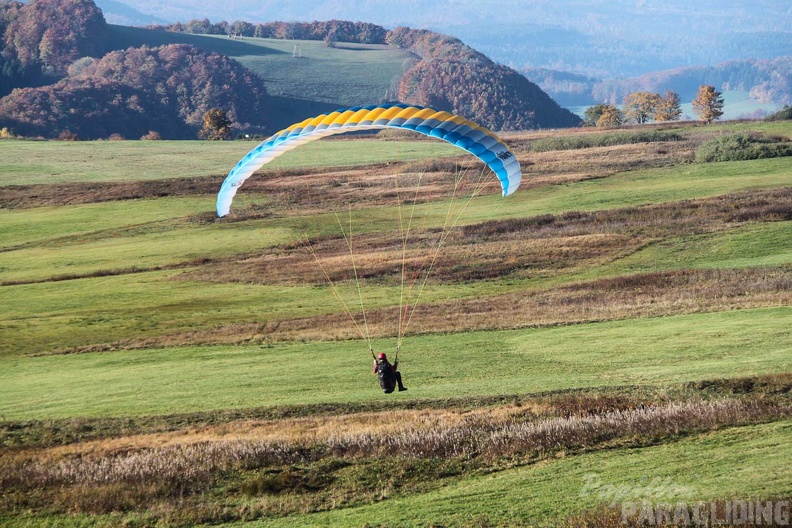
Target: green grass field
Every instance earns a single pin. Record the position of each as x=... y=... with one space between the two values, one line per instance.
x=195 y=379
x=40 y=162
x=123 y=307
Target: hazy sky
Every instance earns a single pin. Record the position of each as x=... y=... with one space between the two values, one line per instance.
x=767 y=15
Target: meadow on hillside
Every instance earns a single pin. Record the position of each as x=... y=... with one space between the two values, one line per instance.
x=347 y=74
x=623 y=319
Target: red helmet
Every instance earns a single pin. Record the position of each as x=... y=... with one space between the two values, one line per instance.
x=382 y=356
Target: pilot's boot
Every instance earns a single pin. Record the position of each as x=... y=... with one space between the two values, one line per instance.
x=399 y=381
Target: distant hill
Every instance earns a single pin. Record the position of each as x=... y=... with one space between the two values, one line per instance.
x=308 y=76
x=302 y=77
x=121 y=13
x=767 y=81
x=452 y=75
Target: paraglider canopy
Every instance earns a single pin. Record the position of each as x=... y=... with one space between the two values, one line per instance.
x=449 y=127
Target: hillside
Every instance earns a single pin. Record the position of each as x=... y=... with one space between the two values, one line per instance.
x=452 y=75
x=412 y=66
x=40 y=40
x=320 y=79
x=134 y=92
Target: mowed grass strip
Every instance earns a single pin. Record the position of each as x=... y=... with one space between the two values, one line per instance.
x=157 y=247
x=164 y=381
x=748 y=245
x=47 y=162
x=60 y=315
x=56 y=226
x=636 y=188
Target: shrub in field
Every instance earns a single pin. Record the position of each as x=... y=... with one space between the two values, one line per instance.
x=151 y=136
x=740 y=147
x=67 y=135
x=782 y=115
x=602 y=140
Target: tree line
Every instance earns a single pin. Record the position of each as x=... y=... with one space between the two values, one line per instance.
x=642 y=107
x=767 y=81
x=331 y=30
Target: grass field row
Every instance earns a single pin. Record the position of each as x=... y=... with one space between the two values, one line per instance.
x=63 y=314
x=187 y=379
x=50 y=162
x=629 y=189
x=132 y=237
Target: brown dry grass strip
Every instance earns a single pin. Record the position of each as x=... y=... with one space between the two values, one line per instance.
x=302 y=430
x=309 y=463
x=489 y=436
x=58 y=194
x=546 y=245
